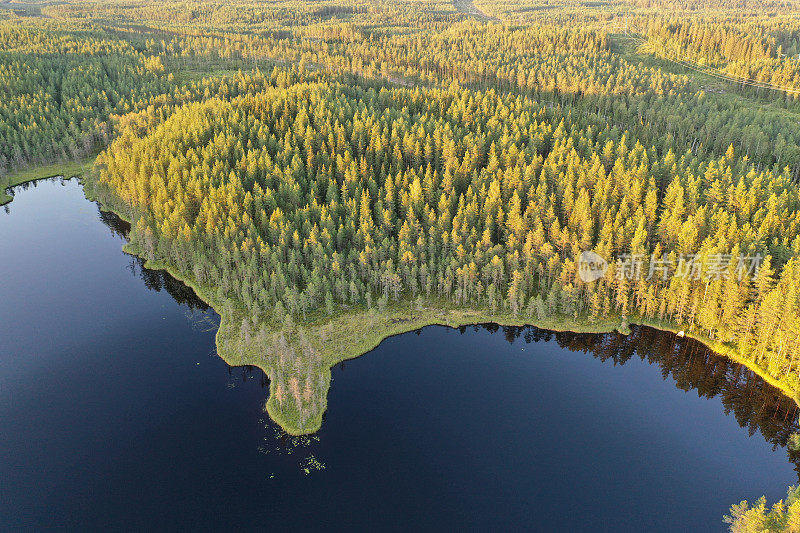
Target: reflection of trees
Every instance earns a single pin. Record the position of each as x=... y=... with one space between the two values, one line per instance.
x=11 y=190
x=245 y=373
x=756 y=404
x=155 y=280
x=118 y=227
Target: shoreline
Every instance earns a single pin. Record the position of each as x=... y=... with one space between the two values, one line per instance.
x=454 y=318
x=399 y=318
x=68 y=170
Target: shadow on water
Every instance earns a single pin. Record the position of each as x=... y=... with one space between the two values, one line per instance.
x=756 y=405
x=201 y=314
x=155 y=280
x=204 y=318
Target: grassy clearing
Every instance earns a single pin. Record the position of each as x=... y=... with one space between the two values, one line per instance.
x=69 y=169
x=354 y=332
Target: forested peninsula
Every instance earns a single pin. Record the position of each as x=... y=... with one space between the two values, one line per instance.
x=319 y=216
x=371 y=170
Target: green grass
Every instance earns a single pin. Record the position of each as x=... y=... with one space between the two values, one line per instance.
x=69 y=169
x=346 y=335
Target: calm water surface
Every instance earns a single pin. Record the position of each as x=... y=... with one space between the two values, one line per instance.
x=115 y=412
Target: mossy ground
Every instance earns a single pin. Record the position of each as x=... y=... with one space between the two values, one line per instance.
x=353 y=333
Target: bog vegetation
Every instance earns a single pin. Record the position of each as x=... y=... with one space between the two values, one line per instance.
x=327 y=173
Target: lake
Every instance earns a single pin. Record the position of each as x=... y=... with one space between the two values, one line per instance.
x=115 y=412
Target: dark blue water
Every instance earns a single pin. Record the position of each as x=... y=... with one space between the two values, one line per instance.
x=116 y=413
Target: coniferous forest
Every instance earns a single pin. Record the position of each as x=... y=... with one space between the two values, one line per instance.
x=325 y=174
